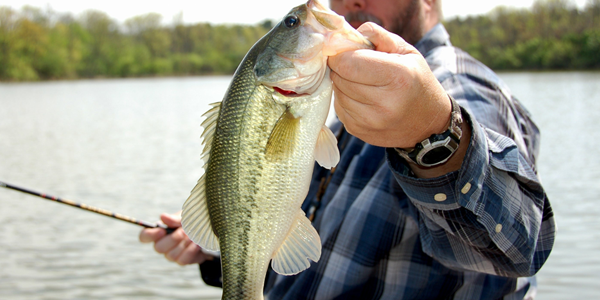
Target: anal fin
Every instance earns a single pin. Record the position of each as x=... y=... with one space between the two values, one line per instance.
x=300 y=245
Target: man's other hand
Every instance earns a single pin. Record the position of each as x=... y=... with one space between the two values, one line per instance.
x=176 y=247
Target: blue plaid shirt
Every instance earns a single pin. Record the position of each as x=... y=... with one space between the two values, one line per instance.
x=386 y=237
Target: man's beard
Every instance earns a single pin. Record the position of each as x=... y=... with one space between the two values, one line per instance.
x=407 y=24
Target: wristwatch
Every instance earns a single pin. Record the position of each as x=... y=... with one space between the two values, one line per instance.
x=438 y=148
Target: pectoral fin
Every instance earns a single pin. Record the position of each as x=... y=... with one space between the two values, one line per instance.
x=326 y=150
x=283 y=136
x=301 y=244
x=195 y=219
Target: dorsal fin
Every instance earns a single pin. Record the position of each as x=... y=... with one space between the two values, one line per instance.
x=209 y=125
x=300 y=245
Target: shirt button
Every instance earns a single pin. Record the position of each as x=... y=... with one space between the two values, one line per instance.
x=466 y=188
x=498 y=228
x=440 y=197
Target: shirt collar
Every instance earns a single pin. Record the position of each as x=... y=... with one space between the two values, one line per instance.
x=437 y=36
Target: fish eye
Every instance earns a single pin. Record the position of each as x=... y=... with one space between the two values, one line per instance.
x=291 y=21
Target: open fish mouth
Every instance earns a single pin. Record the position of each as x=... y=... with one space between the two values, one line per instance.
x=287 y=93
x=302 y=84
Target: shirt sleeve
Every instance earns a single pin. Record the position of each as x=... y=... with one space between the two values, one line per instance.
x=210 y=272
x=492 y=215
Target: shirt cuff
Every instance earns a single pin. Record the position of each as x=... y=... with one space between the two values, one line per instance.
x=452 y=190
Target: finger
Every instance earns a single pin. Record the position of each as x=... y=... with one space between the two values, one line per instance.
x=192 y=254
x=357 y=92
x=149 y=235
x=365 y=67
x=175 y=252
x=171 y=220
x=347 y=104
x=385 y=41
x=349 y=112
x=378 y=67
x=338 y=107
x=170 y=241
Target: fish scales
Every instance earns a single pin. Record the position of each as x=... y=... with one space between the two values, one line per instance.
x=262 y=141
x=233 y=176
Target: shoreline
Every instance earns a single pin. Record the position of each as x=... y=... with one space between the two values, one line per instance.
x=101 y=78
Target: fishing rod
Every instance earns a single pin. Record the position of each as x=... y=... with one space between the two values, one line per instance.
x=89 y=208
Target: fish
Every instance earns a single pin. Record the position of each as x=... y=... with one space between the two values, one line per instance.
x=260 y=146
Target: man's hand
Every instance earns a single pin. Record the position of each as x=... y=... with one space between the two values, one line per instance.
x=176 y=247
x=388 y=97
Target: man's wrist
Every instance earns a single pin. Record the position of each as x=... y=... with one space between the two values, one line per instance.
x=454 y=163
x=437 y=148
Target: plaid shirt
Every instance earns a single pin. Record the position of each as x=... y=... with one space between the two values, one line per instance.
x=385 y=236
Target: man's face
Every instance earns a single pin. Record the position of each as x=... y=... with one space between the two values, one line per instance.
x=402 y=17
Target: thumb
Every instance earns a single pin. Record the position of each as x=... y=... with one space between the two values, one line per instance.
x=172 y=221
x=385 y=41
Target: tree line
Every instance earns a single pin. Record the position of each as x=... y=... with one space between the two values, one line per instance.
x=40 y=44
x=552 y=35
x=36 y=44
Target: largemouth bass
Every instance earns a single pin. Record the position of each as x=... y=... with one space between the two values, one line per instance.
x=260 y=145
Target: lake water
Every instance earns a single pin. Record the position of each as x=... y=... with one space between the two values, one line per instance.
x=132 y=146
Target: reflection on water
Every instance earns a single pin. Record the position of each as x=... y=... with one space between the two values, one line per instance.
x=132 y=146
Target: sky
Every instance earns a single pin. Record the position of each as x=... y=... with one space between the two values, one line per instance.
x=233 y=12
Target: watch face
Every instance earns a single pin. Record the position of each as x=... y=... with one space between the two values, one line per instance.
x=435 y=156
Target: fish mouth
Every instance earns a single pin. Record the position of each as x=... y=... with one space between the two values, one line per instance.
x=301 y=84
x=301 y=70
x=287 y=93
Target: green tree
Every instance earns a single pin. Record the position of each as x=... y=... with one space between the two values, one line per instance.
x=102 y=44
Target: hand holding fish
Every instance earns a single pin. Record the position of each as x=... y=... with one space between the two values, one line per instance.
x=388 y=97
x=176 y=247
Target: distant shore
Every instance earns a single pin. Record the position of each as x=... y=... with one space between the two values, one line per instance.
x=39 y=45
